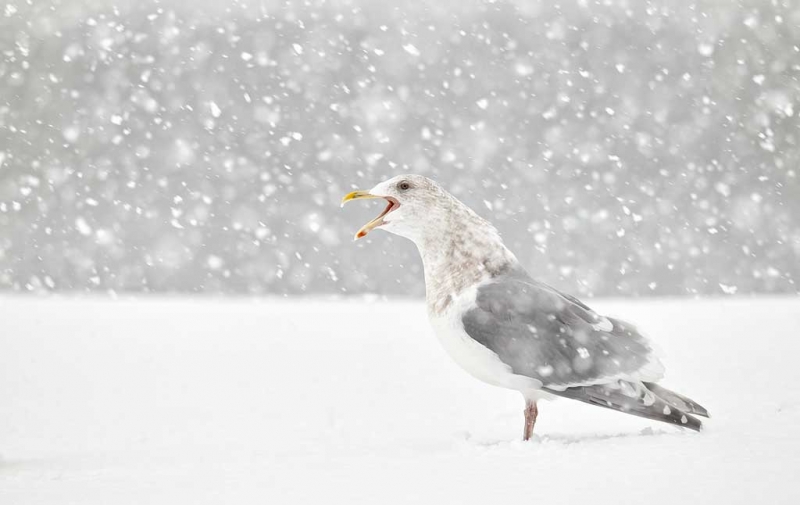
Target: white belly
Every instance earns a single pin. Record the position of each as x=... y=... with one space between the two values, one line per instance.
x=473 y=357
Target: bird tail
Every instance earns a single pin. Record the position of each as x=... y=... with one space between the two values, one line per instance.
x=676 y=400
x=636 y=399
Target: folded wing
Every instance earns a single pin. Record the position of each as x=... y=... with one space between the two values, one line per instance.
x=554 y=338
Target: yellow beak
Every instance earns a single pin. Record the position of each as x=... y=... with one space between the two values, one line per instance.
x=357 y=195
x=363 y=195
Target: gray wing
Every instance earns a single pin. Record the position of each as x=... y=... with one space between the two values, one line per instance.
x=546 y=335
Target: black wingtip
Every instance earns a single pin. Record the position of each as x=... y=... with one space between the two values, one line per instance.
x=677 y=400
x=635 y=399
x=685 y=420
x=659 y=410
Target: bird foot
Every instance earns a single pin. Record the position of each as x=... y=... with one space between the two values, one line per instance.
x=531 y=413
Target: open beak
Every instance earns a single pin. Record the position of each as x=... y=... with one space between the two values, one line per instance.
x=363 y=195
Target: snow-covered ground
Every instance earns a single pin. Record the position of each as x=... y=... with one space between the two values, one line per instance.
x=172 y=401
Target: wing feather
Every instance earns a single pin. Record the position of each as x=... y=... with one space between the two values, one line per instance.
x=546 y=335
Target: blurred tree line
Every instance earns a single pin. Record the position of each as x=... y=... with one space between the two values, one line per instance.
x=622 y=148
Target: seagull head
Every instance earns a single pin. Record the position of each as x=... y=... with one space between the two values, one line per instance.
x=413 y=202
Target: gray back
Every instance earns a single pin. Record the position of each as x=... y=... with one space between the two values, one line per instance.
x=552 y=337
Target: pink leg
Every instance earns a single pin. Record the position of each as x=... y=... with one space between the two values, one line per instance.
x=531 y=411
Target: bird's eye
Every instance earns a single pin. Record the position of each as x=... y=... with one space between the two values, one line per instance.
x=404 y=186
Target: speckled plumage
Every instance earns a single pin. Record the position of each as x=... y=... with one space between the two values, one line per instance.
x=509 y=330
x=468 y=251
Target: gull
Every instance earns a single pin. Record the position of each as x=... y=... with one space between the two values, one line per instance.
x=509 y=330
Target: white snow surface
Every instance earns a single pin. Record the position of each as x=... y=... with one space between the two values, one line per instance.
x=201 y=401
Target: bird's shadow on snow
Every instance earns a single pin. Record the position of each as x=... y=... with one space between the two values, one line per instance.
x=566 y=438
x=13 y=465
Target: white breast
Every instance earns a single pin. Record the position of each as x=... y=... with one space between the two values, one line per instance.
x=473 y=357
